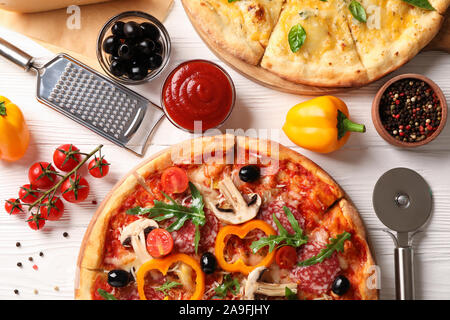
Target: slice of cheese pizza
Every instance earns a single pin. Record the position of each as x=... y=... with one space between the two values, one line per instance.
x=240 y=27
x=327 y=57
x=392 y=35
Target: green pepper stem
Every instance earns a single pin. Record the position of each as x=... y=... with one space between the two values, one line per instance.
x=345 y=125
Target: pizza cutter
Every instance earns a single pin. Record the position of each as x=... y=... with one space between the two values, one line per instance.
x=402 y=201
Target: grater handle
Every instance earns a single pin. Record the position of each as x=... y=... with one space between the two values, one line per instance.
x=15 y=55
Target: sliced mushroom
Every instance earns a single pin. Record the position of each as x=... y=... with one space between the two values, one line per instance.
x=134 y=234
x=240 y=211
x=253 y=286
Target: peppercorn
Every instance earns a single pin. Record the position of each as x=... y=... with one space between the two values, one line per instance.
x=410 y=110
x=19 y=264
x=30 y=258
x=65 y=234
x=41 y=254
x=18 y=244
x=16 y=291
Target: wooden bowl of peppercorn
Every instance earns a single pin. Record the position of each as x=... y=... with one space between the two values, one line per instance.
x=409 y=110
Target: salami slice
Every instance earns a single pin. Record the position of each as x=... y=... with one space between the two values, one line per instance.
x=276 y=207
x=209 y=231
x=318 y=277
x=184 y=238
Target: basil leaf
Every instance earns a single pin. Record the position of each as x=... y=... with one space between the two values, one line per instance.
x=283 y=238
x=228 y=284
x=289 y=294
x=166 y=286
x=423 y=4
x=358 y=11
x=2 y=109
x=336 y=244
x=296 y=37
x=106 y=295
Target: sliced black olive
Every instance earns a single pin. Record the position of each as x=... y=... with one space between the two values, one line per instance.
x=249 y=173
x=146 y=47
x=117 y=29
x=155 y=61
x=132 y=30
x=111 y=44
x=340 y=285
x=118 y=278
x=208 y=262
x=150 y=30
x=125 y=51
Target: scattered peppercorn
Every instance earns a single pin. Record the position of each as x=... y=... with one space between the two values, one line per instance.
x=16 y=291
x=19 y=264
x=35 y=291
x=65 y=234
x=410 y=110
x=41 y=254
x=30 y=258
x=17 y=244
x=56 y=288
x=35 y=267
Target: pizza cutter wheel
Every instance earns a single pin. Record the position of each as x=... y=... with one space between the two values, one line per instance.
x=402 y=201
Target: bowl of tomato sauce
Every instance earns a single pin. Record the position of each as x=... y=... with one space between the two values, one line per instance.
x=198 y=95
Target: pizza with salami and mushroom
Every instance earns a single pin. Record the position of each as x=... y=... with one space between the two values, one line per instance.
x=226 y=217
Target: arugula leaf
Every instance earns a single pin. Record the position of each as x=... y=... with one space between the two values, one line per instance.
x=230 y=1
x=162 y=211
x=166 y=286
x=2 y=109
x=283 y=238
x=423 y=4
x=336 y=244
x=357 y=11
x=106 y=295
x=228 y=284
x=289 y=294
x=296 y=37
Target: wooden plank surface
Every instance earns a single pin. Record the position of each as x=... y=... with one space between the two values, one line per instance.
x=356 y=167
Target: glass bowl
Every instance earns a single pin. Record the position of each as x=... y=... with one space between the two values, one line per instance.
x=105 y=58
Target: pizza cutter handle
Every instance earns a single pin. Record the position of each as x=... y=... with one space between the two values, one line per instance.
x=15 y=55
x=404 y=273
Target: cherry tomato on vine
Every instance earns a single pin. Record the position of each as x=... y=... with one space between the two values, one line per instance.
x=286 y=257
x=13 y=206
x=36 y=222
x=75 y=189
x=66 y=157
x=28 y=193
x=52 y=210
x=42 y=175
x=174 y=180
x=98 y=167
x=159 y=242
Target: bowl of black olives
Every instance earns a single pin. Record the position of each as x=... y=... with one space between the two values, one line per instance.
x=133 y=47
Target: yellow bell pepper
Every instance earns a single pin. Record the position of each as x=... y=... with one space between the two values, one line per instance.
x=14 y=134
x=320 y=124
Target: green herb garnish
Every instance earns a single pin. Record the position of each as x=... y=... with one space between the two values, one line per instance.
x=358 y=11
x=163 y=211
x=289 y=294
x=228 y=284
x=336 y=244
x=296 y=37
x=2 y=109
x=423 y=4
x=164 y=288
x=106 y=295
x=230 y=1
x=283 y=238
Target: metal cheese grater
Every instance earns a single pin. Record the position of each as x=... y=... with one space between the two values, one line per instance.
x=113 y=111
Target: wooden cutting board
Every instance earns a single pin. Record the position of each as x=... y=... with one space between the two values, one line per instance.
x=260 y=75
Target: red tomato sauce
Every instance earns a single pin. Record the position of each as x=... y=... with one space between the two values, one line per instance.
x=198 y=91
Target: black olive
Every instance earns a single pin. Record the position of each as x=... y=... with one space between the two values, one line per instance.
x=158 y=47
x=208 y=262
x=340 y=285
x=155 y=61
x=150 y=30
x=249 y=173
x=118 y=278
x=146 y=47
x=132 y=30
x=125 y=51
x=117 y=29
x=117 y=67
x=137 y=72
x=111 y=44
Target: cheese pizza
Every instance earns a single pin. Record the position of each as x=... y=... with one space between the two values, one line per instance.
x=329 y=43
x=226 y=217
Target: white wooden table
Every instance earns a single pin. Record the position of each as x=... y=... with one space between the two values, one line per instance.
x=356 y=167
